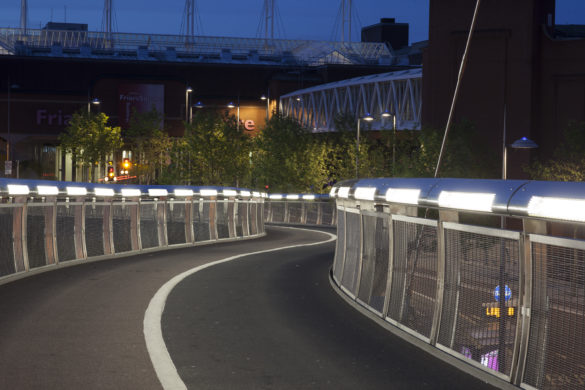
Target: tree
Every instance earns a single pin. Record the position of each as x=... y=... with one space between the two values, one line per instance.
x=89 y=140
x=568 y=162
x=149 y=143
x=216 y=151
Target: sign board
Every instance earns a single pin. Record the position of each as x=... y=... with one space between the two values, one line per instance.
x=507 y=294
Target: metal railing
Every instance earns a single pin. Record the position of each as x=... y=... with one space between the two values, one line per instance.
x=308 y=210
x=490 y=272
x=46 y=224
x=100 y=43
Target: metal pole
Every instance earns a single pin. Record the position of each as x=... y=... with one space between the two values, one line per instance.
x=186 y=105
x=394 y=145
x=357 y=150
x=504 y=150
x=8 y=125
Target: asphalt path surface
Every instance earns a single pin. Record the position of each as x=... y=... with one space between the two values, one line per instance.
x=268 y=321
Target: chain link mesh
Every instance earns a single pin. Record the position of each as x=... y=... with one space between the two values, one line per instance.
x=375 y=256
x=327 y=213
x=295 y=212
x=473 y=322
x=94 y=229
x=414 y=276
x=35 y=235
x=175 y=215
x=121 y=224
x=6 y=242
x=201 y=221
x=340 y=246
x=222 y=218
x=66 y=232
x=148 y=225
x=277 y=209
x=556 y=351
x=352 y=253
x=242 y=220
x=253 y=218
x=312 y=210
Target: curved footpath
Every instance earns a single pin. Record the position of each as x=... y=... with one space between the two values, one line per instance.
x=268 y=321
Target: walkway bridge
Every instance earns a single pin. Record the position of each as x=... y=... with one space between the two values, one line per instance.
x=485 y=275
x=388 y=97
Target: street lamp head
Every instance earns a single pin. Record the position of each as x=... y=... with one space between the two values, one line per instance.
x=231 y=105
x=95 y=101
x=189 y=90
x=263 y=97
x=199 y=105
x=386 y=114
x=524 y=143
x=368 y=117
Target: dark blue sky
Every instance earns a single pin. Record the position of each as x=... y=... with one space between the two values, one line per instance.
x=300 y=19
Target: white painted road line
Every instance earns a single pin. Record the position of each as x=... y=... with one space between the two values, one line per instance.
x=157 y=350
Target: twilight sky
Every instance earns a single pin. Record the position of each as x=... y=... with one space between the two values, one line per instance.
x=298 y=19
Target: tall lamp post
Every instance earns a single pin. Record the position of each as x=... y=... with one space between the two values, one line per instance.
x=267 y=98
x=187 y=106
x=367 y=118
x=94 y=101
x=386 y=114
x=232 y=105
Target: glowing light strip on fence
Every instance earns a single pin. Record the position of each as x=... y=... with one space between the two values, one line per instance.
x=557 y=208
x=333 y=192
x=131 y=192
x=208 y=192
x=103 y=192
x=230 y=193
x=365 y=193
x=292 y=197
x=275 y=197
x=157 y=192
x=181 y=192
x=256 y=194
x=245 y=194
x=402 y=195
x=18 y=189
x=343 y=192
x=76 y=191
x=47 y=190
x=475 y=201
x=309 y=197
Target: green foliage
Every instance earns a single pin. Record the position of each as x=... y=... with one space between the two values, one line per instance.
x=150 y=145
x=90 y=140
x=568 y=162
x=465 y=156
x=216 y=151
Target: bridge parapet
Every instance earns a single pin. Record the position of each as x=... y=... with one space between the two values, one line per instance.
x=49 y=224
x=490 y=272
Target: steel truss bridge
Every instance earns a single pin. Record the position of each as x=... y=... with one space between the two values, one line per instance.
x=381 y=95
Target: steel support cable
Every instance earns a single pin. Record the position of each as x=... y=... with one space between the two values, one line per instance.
x=408 y=291
x=459 y=77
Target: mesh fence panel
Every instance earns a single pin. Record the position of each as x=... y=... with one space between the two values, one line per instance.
x=327 y=212
x=148 y=225
x=7 y=254
x=352 y=254
x=201 y=221
x=242 y=221
x=223 y=230
x=35 y=235
x=277 y=211
x=66 y=232
x=121 y=227
x=339 y=250
x=374 y=261
x=261 y=207
x=312 y=213
x=473 y=323
x=556 y=350
x=176 y=223
x=295 y=212
x=94 y=229
x=253 y=218
x=414 y=276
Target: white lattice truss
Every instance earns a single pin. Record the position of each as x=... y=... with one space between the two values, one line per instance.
x=395 y=93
